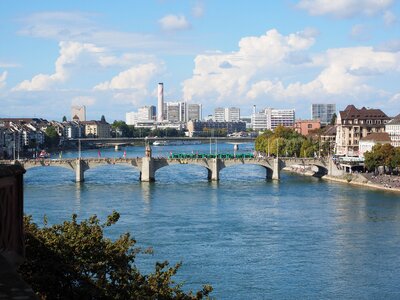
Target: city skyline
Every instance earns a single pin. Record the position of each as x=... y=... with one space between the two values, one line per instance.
x=110 y=57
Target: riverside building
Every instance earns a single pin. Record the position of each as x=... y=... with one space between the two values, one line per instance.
x=353 y=124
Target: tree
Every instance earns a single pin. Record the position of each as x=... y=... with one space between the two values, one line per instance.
x=51 y=138
x=333 y=120
x=121 y=129
x=64 y=119
x=74 y=260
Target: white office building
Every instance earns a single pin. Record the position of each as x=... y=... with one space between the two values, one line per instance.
x=271 y=118
x=144 y=114
x=194 y=112
x=226 y=114
x=393 y=129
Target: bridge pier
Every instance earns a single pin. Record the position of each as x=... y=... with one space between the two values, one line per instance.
x=216 y=167
x=276 y=171
x=79 y=171
x=147 y=173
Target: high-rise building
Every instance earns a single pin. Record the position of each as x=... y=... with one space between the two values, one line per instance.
x=232 y=114
x=280 y=117
x=78 y=112
x=323 y=112
x=194 y=112
x=219 y=114
x=271 y=118
x=160 y=102
x=144 y=114
x=173 y=111
x=227 y=114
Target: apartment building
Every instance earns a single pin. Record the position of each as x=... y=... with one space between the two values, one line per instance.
x=353 y=124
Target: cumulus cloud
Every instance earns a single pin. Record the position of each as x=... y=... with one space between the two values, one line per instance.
x=256 y=56
x=136 y=77
x=85 y=28
x=3 y=78
x=344 y=8
x=282 y=69
x=174 y=23
x=75 y=56
x=345 y=72
x=71 y=54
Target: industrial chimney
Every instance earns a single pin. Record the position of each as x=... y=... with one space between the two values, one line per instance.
x=160 y=103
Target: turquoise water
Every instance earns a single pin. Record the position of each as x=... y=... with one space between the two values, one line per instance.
x=249 y=238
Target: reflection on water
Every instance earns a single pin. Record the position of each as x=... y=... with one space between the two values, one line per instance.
x=250 y=238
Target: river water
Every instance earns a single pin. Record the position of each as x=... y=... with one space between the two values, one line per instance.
x=249 y=238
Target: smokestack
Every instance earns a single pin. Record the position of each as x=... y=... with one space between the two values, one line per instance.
x=160 y=103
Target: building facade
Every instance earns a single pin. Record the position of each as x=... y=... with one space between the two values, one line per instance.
x=194 y=112
x=323 y=112
x=303 y=127
x=366 y=143
x=353 y=124
x=196 y=127
x=393 y=129
x=78 y=111
x=97 y=129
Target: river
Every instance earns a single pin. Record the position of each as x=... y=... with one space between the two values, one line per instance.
x=249 y=238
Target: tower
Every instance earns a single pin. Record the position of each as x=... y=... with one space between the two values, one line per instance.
x=160 y=103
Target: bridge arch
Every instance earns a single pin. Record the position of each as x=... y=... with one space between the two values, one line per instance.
x=202 y=163
x=192 y=171
x=268 y=171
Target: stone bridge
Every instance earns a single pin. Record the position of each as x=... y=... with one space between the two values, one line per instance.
x=148 y=166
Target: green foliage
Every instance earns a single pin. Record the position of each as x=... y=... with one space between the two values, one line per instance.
x=333 y=120
x=51 y=138
x=382 y=155
x=308 y=148
x=74 y=260
x=286 y=139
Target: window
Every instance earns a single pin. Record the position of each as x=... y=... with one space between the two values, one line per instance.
x=309 y=126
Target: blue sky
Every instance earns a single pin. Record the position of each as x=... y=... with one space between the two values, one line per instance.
x=110 y=55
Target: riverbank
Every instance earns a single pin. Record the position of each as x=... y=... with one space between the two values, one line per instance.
x=377 y=182
x=380 y=182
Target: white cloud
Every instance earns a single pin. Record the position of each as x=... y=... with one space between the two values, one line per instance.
x=345 y=73
x=136 y=77
x=85 y=28
x=344 y=8
x=3 y=78
x=198 y=9
x=174 y=23
x=71 y=54
x=256 y=56
x=389 y=18
x=264 y=70
x=73 y=58
x=8 y=65
x=83 y=100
